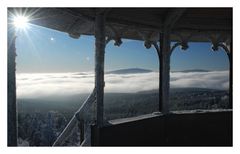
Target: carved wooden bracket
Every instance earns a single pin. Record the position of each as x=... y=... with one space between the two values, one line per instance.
x=220 y=40
x=183 y=42
x=114 y=35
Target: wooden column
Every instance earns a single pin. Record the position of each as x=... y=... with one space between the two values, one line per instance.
x=99 y=64
x=11 y=83
x=165 y=46
x=164 y=72
x=230 y=57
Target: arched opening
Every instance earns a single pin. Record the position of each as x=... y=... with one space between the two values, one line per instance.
x=131 y=80
x=54 y=77
x=199 y=78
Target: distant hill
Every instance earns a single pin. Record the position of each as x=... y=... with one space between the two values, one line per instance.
x=193 y=89
x=174 y=90
x=129 y=71
x=192 y=70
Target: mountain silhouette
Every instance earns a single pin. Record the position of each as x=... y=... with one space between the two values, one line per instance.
x=192 y=70
x=129 y=71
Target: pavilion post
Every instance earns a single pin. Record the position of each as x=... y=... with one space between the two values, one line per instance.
x=99 y=64
x=230 y=57
x=164 y=71
x=11 y=83
x=165 y=52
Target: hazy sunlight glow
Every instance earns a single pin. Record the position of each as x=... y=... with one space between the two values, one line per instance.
x=20 y=22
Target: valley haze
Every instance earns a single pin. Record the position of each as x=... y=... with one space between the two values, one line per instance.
x=34 y=85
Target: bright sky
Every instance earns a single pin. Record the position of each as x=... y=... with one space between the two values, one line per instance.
x=44 y=50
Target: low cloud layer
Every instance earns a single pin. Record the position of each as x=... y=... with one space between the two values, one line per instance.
x=39 y=84
x=213 y=80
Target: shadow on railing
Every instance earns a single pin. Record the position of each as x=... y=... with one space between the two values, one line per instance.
x=80 y=119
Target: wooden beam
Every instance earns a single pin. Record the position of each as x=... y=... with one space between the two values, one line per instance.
x=78 y=117
x=99 y=64
x=172 y=17
x=112 y=21
x=11 y=82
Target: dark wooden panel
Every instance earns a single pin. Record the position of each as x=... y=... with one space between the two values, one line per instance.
x=203 y=129
x=197 y=129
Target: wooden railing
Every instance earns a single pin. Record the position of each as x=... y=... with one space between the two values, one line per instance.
x=78 y=118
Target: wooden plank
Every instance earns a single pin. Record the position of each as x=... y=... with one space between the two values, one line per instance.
x=78 y=117
x=172 y=17
x=81 y=129
x=66 y=132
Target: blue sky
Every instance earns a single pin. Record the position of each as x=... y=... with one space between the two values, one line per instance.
x=44 y=50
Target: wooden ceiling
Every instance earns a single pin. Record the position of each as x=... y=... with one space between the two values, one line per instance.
x=134 y=23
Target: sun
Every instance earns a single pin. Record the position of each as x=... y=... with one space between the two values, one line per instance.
x=21 y=22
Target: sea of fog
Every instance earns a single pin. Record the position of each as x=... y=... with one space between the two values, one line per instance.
x=31 y=85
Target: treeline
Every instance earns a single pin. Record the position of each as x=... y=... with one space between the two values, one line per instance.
x=41 y=121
